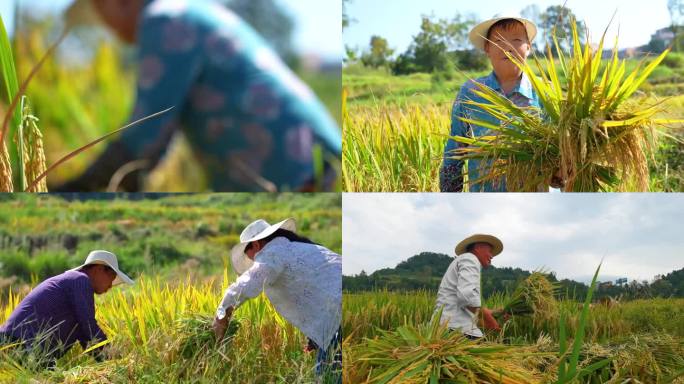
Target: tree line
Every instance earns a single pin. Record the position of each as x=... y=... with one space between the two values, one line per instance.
x=425 y=270
x=442 y=45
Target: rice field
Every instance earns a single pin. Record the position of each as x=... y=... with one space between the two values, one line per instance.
x=399 y=147
x=393 y=148
x=160 y=331
x=641 y=341
x=394 y=137
x=176 y=248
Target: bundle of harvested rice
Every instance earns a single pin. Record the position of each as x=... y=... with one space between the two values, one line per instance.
x=433 y=353
x=535 y=296
x=198 y=334
x=589 y=134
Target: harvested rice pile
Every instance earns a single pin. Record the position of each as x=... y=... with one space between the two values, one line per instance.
x=645 y=358
x=432 y=353
x=651 y=358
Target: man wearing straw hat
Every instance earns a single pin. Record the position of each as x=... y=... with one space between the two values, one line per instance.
x=459 y=292
x=303 y=281
x=496 y=37
x=61 y=310
x=252 y=124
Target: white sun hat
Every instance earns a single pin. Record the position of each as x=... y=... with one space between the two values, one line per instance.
x=497 y=245
x=257 y=230
x=478 y=35
x=81 y=12
x=109 y=259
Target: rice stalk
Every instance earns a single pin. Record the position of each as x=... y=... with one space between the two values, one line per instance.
x=41 y=177
x=569 y=369
x=9 y=78
x=588 y=131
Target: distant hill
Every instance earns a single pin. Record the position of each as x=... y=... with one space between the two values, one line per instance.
x=424 y=271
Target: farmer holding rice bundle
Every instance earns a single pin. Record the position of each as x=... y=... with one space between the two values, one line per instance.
x=252 y=123
x=459 y=292
x=496 y=37
x=303 y=281
x=61 y=310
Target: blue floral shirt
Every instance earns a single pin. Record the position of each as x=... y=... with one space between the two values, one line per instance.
x=247 y=116
x=450 y=174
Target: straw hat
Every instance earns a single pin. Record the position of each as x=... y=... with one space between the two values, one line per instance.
x=478 y=35
x=497 y=245
x=108 y=259
x=81 y=12
x=257 y=230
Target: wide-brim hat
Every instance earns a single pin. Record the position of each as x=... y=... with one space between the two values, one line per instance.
x=81 y=12
x=478 y=35
x=109 y=259
x=257 y=230
x=497 y=245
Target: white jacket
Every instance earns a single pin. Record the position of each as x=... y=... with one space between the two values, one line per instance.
x=460 y=288
x=302 y=281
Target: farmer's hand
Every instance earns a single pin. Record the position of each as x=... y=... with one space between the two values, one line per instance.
x=310 y=346
x=489 y=320
x=557 y=180
x=220 y=326
x=499 y=312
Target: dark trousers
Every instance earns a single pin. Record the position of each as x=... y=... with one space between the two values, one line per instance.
x=329 y=361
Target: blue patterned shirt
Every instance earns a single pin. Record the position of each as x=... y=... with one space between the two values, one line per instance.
x=450 y=175
x=246 y=115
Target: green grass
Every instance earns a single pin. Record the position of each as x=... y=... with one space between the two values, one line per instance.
x=149 y=236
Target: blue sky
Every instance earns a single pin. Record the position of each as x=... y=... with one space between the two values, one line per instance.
x=637 y=19
x=640 y=235
x=317 y=30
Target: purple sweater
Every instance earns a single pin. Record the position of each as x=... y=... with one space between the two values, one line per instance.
x=64 y=302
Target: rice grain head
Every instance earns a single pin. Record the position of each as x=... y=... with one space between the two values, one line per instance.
x=33 y=152
x=5 y=171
